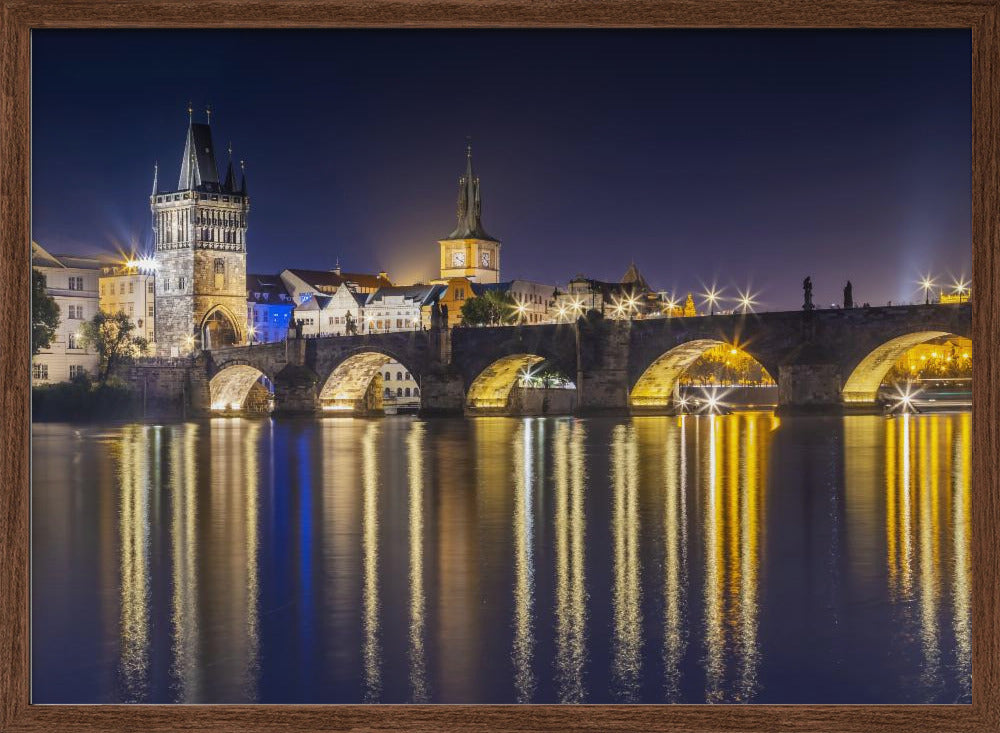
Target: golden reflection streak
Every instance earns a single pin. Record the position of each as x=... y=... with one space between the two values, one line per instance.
x=905 y=488
x=675 y=576
x=185 y=670
x=627 y=592
x=891 y=527
x=749 y=543
x=135 y=582
x=571 y=609
x=714 y=560
x=928 y=590
x=962 y=592
x=371 y=649
x=415 y=456
x=524 y=678
x=251 y=488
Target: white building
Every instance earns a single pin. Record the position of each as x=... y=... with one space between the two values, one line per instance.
x=400 y=308
x=73 y=283
x=130 y=288
x=535 y=301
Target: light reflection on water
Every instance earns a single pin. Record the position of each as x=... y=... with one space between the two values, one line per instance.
x=695 y=559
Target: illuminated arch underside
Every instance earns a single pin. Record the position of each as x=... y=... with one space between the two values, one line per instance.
x=230 y=387
x=347 y=384
x=656 y=386
x=863 y=384
x=491 y=389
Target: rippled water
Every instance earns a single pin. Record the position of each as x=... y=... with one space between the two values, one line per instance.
x=698 y=559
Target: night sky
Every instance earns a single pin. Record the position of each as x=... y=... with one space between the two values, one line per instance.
x=734 y=157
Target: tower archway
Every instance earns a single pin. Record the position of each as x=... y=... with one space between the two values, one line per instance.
x=220 y=329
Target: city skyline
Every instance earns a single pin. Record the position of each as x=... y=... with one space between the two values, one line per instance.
x=885 y=124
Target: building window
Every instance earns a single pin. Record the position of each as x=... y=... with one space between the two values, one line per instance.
x=407 y=391
x=130 y=309
x=399 y=376
x=121 y=288
x=459 y=293
x=388 y=376
x=407 y=375
x=76 y=283
x=399 y=391
x=150 y=287
x=75 y=313
x=220 y=273
x=73 y=342
x=39 y=371
x=416 y=391
x=150 y=310
x=388 y=392
x=131 y=288
x=180 y=283
x=76 y=370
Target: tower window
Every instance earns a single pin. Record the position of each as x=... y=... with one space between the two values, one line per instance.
x=220 y=273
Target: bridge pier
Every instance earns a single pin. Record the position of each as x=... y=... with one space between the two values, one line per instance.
x=296 y=391
x=442 y=393
x=602 y=360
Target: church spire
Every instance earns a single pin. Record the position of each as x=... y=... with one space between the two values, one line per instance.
x=243 y=177
x=229 y=185
x=156 y=177
x=469 y=211
x=198 y=168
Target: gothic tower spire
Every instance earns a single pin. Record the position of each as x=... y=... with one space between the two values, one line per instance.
x=229 y=185
x=469 y=204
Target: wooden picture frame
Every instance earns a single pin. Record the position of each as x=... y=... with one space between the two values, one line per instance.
x=20 y=17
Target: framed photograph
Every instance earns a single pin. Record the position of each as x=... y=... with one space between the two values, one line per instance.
x=499 y=366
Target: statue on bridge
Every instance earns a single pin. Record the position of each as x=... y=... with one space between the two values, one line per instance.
x=297 y=326
x=848 y=295
x=350 y=325
x=807 y=288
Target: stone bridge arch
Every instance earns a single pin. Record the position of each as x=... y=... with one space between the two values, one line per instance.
x=238 y=385
x=661 y=351
x=491 y=360
x=867 y=356
x=352 y=381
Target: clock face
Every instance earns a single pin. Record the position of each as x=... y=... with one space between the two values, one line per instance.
x=485 y=258
x=458 y=258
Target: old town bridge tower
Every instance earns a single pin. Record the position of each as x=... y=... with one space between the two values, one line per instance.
x=199 y=230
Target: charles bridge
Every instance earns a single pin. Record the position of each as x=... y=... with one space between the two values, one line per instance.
x=822 y=360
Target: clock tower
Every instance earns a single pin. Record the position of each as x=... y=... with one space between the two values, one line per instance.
x=469 y=251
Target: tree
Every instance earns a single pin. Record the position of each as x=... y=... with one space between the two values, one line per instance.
x=114 y=340
x=44 y=314
x=492 y=308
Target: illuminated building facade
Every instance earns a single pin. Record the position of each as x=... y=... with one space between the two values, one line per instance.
x=269 y=309
x=73 y=283
x=130 y=288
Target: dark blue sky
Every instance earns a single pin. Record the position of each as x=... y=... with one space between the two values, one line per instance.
x=727 y=156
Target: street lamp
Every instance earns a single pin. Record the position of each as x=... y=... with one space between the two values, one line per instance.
x=251 y=333
x=711 y=297
x=927 y=283
x=961 y=288
x=746 y=301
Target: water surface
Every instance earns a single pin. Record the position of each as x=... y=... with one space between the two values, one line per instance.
x=738 y=558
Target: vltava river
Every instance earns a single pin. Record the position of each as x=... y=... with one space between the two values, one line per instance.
x=697 y=559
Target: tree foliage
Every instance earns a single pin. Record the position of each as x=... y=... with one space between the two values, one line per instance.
x=492 y=308
x=44 y=314
x=114 y=339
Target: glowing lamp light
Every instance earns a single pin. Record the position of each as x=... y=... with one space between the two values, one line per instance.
x=904 y=398
x=747 y=301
